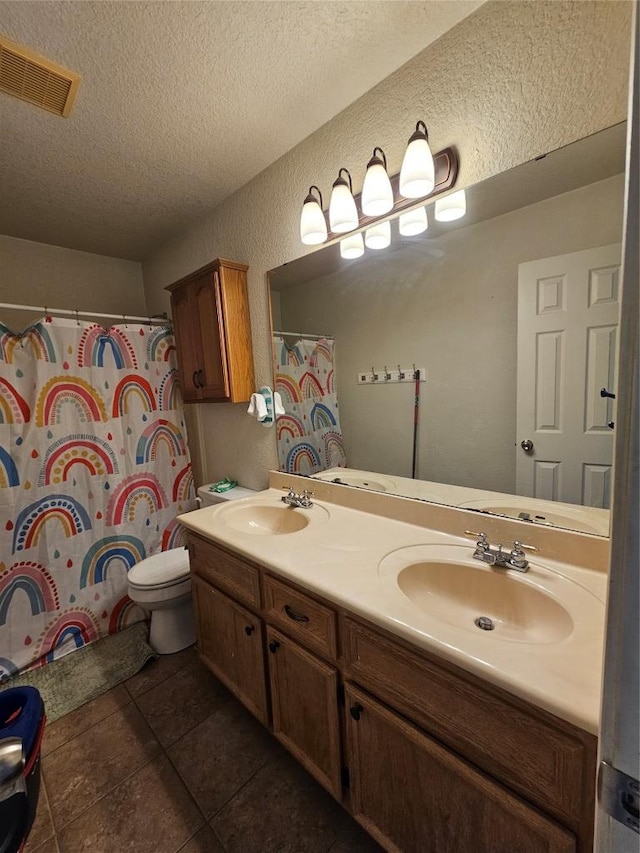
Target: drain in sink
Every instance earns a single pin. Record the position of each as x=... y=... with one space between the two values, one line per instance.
x=485 y=623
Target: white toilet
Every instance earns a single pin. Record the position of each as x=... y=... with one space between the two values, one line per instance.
x=162 y=584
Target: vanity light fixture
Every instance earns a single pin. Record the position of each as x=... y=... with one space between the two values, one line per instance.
x=417 y=175
x=413 y=222
x=451 y=207
x=378 y=236
x=352 y=246
x=343 y=213
x=377 y=194
x=313 y=225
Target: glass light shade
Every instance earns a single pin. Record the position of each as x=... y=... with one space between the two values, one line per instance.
x=377 y=195
x=413 y=222
x=343 y=213
x=378 y=236
x=313 y=225
x=352 y=246
x=451 y=207
x=417 y=175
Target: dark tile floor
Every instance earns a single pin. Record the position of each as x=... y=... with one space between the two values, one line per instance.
x=169 y=761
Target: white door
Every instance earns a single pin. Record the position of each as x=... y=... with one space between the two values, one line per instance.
x=567 y=332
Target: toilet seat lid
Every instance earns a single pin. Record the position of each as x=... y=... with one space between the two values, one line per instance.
x=163 y=568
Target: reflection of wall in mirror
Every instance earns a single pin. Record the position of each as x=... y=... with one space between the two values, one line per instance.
x=449 y=305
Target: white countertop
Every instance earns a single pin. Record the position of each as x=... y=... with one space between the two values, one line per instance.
x=341 y=555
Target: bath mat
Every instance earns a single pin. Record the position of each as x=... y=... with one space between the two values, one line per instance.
x=78 y=677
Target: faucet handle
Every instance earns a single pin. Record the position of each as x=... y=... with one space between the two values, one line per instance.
x=520 y=547
x=482 y=543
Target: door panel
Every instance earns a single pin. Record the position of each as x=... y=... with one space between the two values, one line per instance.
x=567 y=347
x=438 y=803
x=305 y=708
x=230 y=640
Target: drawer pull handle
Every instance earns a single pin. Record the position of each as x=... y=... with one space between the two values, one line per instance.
x=356 y=710
x=249 y=630
x=274 y=646
x=201 y=378
x=297 y=617
x=195 y=378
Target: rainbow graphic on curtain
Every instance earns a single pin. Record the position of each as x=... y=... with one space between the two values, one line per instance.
x=94 y=468
x=308 y=434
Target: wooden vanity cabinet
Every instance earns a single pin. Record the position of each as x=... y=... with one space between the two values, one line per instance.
x=210 y=310
x=231 y=644
x=427 y=757
x=415 y=796
x=304 y=704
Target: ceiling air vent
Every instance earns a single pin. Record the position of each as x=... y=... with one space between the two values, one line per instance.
x=34 y=79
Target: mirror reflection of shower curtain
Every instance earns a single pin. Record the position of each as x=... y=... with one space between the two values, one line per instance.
x=309 y=435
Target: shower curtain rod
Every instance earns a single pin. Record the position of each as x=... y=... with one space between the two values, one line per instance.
x=303 y=335
x=156 y=318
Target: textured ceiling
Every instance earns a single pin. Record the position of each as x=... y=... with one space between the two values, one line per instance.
x=181 y=103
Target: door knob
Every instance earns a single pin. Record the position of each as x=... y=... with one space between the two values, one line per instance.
x=527 y=445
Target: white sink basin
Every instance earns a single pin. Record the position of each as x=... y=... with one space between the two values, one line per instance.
x=269 y=519
x=446 y=584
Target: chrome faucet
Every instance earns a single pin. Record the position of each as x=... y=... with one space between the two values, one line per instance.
x=292 y=499
x=514 y=559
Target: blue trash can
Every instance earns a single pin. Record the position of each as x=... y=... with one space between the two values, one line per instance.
x=22 y=721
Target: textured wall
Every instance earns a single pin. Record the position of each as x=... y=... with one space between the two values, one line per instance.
x=511 y=81
x=450 y=306
x=39 y=274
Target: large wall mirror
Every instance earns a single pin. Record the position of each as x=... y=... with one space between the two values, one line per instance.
x=510 y=312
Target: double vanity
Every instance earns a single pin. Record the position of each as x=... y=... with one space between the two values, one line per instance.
x=450 y=704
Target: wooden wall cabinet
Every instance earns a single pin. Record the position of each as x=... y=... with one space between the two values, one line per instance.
x=428 y=758
x=210 y=310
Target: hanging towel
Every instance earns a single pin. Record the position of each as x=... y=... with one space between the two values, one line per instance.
x=257 y=407
x=277 y=403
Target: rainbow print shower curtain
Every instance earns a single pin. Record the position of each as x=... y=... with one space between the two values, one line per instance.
x=94 y=468
x=309 y=436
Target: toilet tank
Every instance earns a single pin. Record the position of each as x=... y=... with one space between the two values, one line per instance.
x=207 y=497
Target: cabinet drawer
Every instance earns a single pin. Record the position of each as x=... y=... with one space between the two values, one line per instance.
x=550 y=766
x=301 y=616
x=226 y=571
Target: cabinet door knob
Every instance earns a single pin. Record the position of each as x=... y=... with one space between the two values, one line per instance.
x=274 y=646
x=249 y=629
x=356 y=710
x=297 y=617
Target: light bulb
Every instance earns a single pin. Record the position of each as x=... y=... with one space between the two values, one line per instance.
x=413 y=222
x=313 y=225
x=352 y=246
x=417 y=175
x=343 y=213
x=451 y=207
x=378 y=236
x=377 y=195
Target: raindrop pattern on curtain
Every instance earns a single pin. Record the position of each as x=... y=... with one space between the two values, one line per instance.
x=94 y=468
